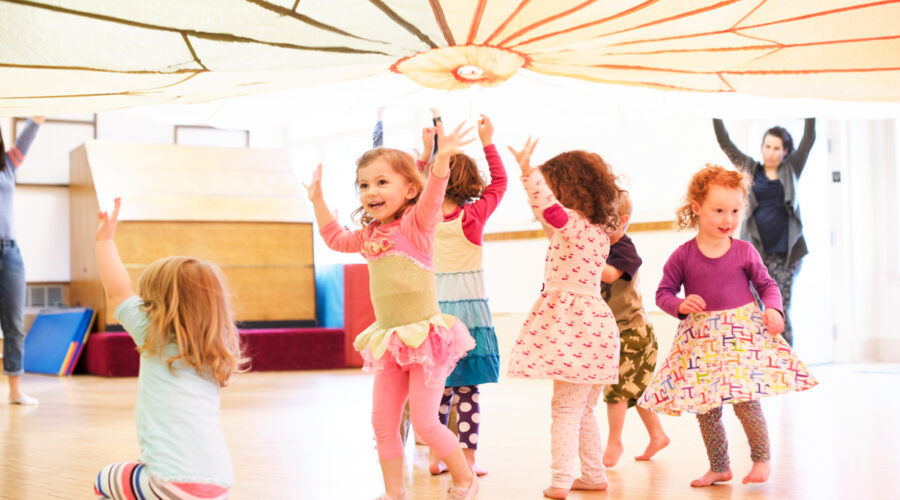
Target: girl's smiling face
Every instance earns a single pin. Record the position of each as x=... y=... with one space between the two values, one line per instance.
x=382 y=191
x=720 y=212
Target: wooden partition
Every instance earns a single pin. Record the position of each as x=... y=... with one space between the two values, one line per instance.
x=240 y=208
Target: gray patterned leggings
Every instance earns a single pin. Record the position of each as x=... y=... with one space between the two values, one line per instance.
x=465 y=399
x=784 y=276
x=754 y=422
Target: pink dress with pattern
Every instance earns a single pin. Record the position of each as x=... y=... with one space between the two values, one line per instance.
x=570 y=334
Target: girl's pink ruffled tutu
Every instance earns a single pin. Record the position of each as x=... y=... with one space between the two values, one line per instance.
x=447 y=342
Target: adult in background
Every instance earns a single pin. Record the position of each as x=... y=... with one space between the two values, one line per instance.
x=12 y=270
x=772 y=222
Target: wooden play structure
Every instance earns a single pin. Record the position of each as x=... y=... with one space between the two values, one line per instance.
x=241 y=208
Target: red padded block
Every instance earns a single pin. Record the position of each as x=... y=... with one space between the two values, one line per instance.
x=358 y=312
x=113 y=354
x=110 y=354
x=294 y=348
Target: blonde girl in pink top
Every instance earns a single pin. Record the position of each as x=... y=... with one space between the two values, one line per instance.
x=571 y=335
x=411 y=347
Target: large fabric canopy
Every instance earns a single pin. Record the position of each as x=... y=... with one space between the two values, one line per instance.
x=62 y=56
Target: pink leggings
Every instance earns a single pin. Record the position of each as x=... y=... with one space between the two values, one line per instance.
x=392 y=385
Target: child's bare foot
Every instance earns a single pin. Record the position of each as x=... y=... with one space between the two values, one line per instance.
x=469 y=453
x=554 y=492
x=710 y=478
x=656 y=443
x=436 y=467
x=758 y=474
x=612 y=454
x=578 y=484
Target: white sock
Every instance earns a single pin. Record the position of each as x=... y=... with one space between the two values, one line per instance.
x=24 y=399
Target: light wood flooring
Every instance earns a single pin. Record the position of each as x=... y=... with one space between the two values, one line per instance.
x=306 y=435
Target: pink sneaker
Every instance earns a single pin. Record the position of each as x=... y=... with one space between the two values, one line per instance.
x=457 y=493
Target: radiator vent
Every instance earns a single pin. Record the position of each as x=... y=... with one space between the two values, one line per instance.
x=44 y=296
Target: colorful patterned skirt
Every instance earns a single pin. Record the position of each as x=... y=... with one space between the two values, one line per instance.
x=721 y=357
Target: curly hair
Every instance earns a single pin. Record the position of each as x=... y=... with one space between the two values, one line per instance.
x=710 y=175
x=583 y=182
x=403 y=164
x=465 y=183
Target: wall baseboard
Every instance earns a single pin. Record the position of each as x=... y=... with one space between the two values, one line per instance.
x=884 y=350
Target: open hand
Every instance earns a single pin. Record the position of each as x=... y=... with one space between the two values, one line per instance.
x=451 y=144
x=485 y=131
x=774 y=321
x=523 y=156
x=314 y=188
x=692 y=304
x=106 y=229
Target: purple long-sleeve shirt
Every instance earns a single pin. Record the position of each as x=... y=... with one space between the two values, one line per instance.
x=723 y=282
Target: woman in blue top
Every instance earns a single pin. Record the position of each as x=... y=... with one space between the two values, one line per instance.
x=772 y=222
x=12 y=270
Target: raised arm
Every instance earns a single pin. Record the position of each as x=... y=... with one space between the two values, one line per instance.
x=16 y=155
x=544 y=205
x=483 y=207
x=428 y=135
x=378 y=131
x=739 y=159
x=425 y=211
x=336 y=237
x=314 y=191
x=113 y=275
x=797 y=159
x=449 y=145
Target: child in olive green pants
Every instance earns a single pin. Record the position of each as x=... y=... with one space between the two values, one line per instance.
x=637 y=354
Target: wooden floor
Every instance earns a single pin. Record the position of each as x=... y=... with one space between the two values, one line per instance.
x=306 y=435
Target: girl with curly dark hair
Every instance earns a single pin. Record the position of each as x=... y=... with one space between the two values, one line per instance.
x=571 y=335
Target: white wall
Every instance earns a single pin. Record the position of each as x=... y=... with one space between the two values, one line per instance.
x=867 y=274
x=843 y=298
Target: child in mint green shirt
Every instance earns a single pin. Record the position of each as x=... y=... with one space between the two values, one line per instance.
x=186 y=357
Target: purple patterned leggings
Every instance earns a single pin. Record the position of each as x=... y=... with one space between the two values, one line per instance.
x=754 y=422
x=465 y=399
